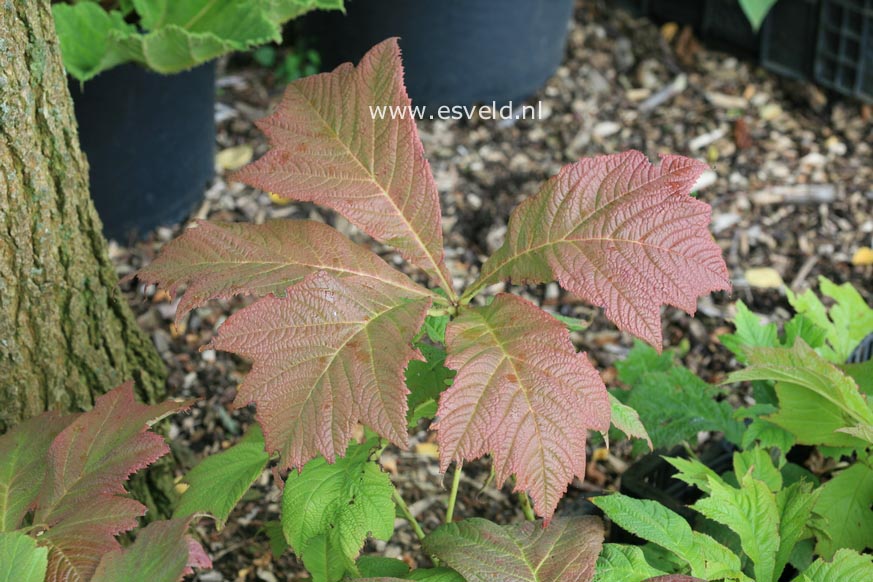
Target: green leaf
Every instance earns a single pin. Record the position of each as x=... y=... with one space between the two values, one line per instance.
x=482 y=551
x=278 y=543
x=793 y=473
x=650 y=521
x=694 y=473
x=844 y=502
x=765 y=434
x=675 y=404
x=435 y=327
x=571 y=323
x=20 y=559
x=23 y=461
x=171 y=49
x=626 y=419
x=162 y=552
x=426 y=381
x=801 y=327
x=759 y=464
x=641 y=360
x=750 y=332
x=340 y=504
x=861 y=373
x=714 y=561
x=435 y=575
x=802 y=554
x=323 y=560
x=795 y=504
x=756 y=11
x=178 y=34
x=815 y=398
x=655 y=523
x=219 y=481
x=283 y=10
x=85 y=32
x=846 y=323
x=379 y=566
x=621 y=563
x=846 y=565
x=861 y=431
x=184 y=33
x=752 y=513
x=240 y=23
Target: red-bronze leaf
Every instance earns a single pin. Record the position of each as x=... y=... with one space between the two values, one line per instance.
x=480 y=550
x=80 y=506
x=329 y=353
x=331 y=147
x=620 y=233
x=217 y=260
x=522 y=394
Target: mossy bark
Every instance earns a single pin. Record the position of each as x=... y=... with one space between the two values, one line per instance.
x=66 y=333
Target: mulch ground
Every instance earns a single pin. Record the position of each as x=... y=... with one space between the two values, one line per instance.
x=791 y=189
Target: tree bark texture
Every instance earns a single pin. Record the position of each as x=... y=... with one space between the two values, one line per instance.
x=67 y=334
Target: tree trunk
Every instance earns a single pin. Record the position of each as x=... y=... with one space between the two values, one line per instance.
x=67 y=334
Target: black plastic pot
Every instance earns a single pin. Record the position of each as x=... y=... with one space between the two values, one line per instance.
x=788 y=38
x=150 y=143
x=455 y=52
x=682 y=11
x=844 y=56
x=724 y=22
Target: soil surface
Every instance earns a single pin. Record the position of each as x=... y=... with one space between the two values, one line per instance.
x=791 y=189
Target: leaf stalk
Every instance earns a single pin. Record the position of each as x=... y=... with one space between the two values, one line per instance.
x=416 y=527
x=453 y=493
x=526 y=509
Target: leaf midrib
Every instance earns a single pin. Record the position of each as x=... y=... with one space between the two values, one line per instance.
x=278 y=265
x=565 y=238
x=415 y=237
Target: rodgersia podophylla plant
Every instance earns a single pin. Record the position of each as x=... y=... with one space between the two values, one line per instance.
x=339 y=337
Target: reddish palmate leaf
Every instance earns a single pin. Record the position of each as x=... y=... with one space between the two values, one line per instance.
x=328 y=354
x=23 y=462
x=217 y=260
x=331 y=147
x=523 y=394
x=620 y=233
x=80 y=507
x=483 y=551
x=162 y=552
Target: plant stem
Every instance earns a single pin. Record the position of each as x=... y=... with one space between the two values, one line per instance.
x=419 y=533
x=524 y=500
x=453 y=494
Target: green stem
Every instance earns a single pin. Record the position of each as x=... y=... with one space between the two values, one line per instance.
x=524 y=500
x=474 y=290
x=453 y=494
x=419 y=533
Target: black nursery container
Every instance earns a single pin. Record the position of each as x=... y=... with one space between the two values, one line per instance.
x=788 y=38
x=455 y=52
x=724 y=22
x=150 y=142
x=844 y=57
